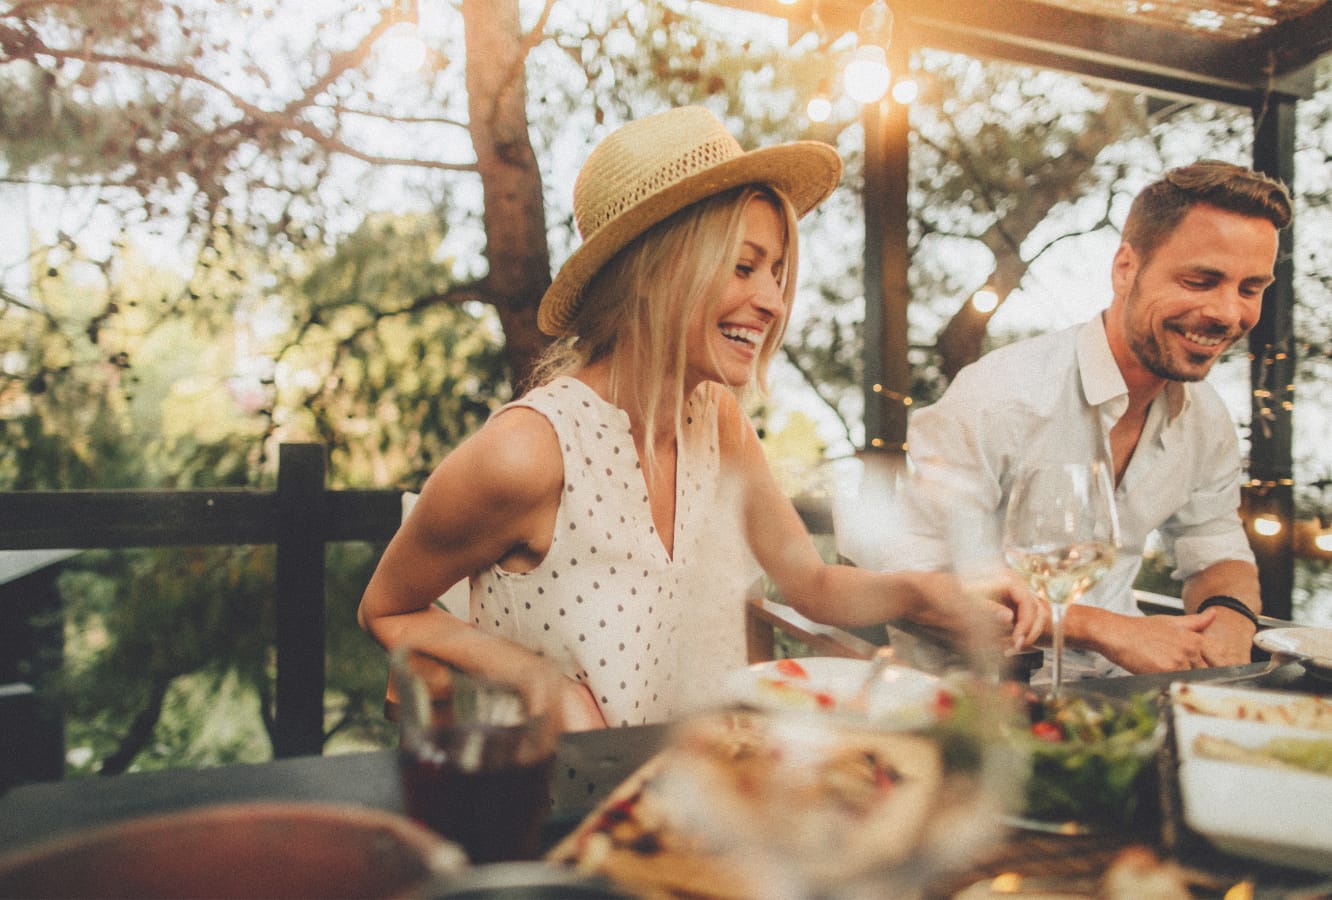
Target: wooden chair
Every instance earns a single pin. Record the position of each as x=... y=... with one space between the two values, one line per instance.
x=764 y=618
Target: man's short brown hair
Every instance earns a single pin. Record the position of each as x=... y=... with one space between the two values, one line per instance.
x=1159 y=207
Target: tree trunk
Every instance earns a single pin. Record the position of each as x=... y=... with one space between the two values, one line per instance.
x=514 y=217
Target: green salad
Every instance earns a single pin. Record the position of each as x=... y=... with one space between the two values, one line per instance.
x=1086 y=756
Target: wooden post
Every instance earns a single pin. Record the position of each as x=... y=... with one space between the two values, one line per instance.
x=887 y=371
x=1272 y=352
x=299 y=715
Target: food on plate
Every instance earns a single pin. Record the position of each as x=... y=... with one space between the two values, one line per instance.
x=1250 y=762
x=1137 y=872
x=894 y=696
x=790 y=686
x=1307 y=754
x=1086 y=756
x=1272 y=707
x=701 y=817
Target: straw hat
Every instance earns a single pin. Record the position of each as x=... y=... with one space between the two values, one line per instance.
x=647 y=170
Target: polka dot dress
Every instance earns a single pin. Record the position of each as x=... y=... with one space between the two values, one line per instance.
x=608 y=604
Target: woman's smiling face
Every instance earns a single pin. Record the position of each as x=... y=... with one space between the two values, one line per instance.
x=724 y=343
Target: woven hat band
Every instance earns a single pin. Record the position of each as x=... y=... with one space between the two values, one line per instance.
x=618 y=183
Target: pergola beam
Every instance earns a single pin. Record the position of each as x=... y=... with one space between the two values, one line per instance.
x=1120 y=49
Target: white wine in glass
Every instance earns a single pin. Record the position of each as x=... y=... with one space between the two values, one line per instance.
x=1061 y=534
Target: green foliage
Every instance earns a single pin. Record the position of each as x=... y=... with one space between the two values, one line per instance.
x=159 y=616
x=401 y=376
x=155 y=637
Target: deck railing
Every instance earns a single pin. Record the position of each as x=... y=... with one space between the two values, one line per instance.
x=300 y=517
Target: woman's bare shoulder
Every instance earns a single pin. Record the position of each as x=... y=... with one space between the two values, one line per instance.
x=735 y=432
x=514 y=457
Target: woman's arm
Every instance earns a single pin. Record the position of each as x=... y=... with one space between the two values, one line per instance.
x=847 y=595
x=492 y=500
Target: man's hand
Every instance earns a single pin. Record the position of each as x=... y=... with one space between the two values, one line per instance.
x=1228 y=641
x=1159 y=643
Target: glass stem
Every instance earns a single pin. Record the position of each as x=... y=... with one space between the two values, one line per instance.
x=1057 y=628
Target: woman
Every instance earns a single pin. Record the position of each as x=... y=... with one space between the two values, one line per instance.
x=622 y=502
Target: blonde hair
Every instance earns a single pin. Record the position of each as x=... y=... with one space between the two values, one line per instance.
x=635 y=312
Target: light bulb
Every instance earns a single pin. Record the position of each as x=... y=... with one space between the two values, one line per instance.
x=867 y=74
x=401 y=49
x=819 y=109
x=905 y=91
x=986 y=300
x=1267 y=525
x=1324 y=541
x=876 y=25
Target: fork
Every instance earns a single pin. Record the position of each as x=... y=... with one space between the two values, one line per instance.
x=1277 y=661
x=882 y=659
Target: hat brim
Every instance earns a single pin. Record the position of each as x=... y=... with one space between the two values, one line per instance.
x=806 y=172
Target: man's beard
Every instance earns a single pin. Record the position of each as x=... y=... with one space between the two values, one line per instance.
x=1155 y=358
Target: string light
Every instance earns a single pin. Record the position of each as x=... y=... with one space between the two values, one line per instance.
x=1261 y=487
x=867 y=75
x=819 y=108
x=1323 y=540
x=985 y=300
x=1267 y=525
x=904 y=399
x=905 y=91
x=400 y=48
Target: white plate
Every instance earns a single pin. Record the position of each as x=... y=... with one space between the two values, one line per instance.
x=1311 y=646
x=901 y=696
x=1255 y=811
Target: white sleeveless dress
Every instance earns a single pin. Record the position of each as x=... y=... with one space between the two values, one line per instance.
x=649 y=633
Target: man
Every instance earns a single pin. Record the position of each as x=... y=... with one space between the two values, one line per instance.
x=1197 y=251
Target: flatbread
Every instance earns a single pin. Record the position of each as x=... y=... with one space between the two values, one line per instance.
x=1293 y=710
x=1302 y=754
x=841 y=801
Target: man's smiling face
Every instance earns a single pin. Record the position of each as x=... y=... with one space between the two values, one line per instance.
x=1199 y=293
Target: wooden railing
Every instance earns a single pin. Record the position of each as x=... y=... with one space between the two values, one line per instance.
x=299 y=517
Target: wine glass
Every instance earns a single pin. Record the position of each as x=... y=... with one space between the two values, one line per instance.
x=863 y=503
x=1061 y=534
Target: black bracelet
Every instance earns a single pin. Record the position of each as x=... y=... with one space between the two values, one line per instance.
x=1230 y=603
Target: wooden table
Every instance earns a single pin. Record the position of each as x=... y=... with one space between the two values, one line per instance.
x=589 y=765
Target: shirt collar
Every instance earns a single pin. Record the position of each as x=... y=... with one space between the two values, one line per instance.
x=1102 y=381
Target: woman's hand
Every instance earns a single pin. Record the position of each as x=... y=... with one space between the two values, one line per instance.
x=977 y=611
x=1027 y=614
x=579 y=710
x=549 y=692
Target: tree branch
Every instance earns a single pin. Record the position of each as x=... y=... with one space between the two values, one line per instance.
x=817 y=388
x=530 y=40
x=140 y=731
